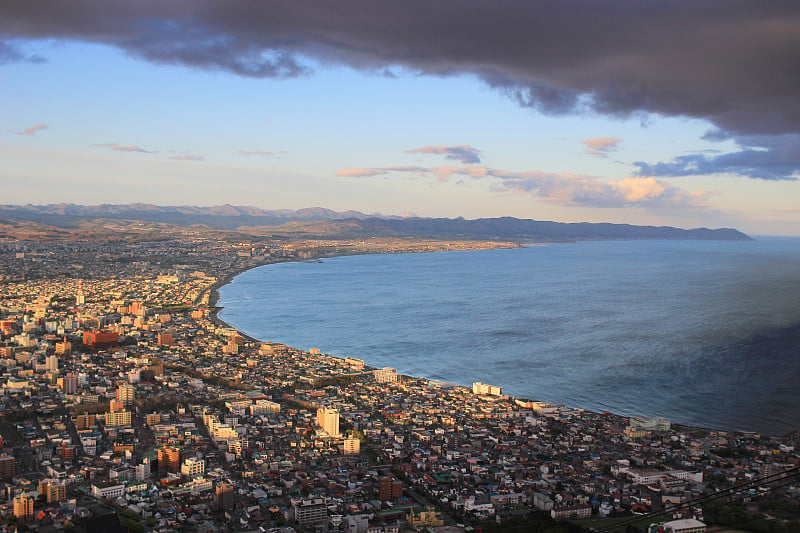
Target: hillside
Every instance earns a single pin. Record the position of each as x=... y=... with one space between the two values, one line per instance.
x=59 y=221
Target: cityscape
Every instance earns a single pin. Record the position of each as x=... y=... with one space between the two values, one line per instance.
x=127 y=405
x=435 y=266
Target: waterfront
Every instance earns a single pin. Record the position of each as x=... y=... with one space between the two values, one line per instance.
x=86 y=411
x=701 y=333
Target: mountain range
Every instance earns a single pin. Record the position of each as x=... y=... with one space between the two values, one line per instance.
x=318 y=222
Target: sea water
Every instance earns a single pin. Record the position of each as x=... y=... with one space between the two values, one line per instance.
x=700 y=332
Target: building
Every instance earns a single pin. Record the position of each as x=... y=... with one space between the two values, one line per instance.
x=231 y=348
x=85 y=421
x=169 y=459
x=385 y=375
x=118 y=418
x=224 y=496
x=124 y=446
x=571 y=512
x=80 y=298
x=651 y=477
x=100 y=339
x=687 y=525
x=649 y=424
x=8 y=466
x=310 y=512
x=23 y=506
x=165 y=339
x=64 y=348
x=67 y=451
x=200 y=484
x=484 y=389
x=53 y=490
x=156 y=369
x=125 y=394
x=193 y=467
x=390 y=488
x=109 y=489
x=68 y=384
x=328 y=420
x=351 y=446
x=424 y=519
x=142 y=471
x=264 y=407
x=356 y=364
x=633 y=433
x=51 y=363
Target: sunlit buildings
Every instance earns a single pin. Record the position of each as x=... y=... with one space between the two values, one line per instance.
x=385 y=375
x=23 y=507
x=100 y=339
x=125 y=394
x=483 y=388
x=351 y=446
x=328 y=420
x=224 y=496
x=193 y=467
x=169 y=459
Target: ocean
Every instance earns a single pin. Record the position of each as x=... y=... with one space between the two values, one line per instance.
x=703 y=333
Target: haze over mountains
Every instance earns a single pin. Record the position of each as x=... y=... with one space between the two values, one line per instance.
x=326 y=223
x=218 y=217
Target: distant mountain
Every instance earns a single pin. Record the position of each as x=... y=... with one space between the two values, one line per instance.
x=325 y=223
x=226 y=217
x=505 y=228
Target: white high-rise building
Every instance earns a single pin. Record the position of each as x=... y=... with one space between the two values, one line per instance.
x=143 y=470
x=483 y=388
x=52 y=363
x=193 y=467
x=328 y=420
x=385 y=375
x=80 y=298
x=125 y=393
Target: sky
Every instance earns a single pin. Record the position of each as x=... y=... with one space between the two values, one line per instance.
x=680 y=112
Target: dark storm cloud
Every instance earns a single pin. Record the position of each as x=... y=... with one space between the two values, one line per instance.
x=766 y=157
x=731 y=62
x=11 y=53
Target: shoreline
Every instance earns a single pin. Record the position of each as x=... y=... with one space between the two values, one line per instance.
x=215 y=309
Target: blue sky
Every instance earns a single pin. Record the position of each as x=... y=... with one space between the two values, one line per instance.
x=86 y=121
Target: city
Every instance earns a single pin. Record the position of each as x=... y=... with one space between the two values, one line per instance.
x=127 y=405
x=614 y=348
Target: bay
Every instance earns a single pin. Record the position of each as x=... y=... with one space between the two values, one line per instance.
x=702 y=333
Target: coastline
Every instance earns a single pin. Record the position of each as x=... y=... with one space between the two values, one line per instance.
x=215 y=309
x=213 y=296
